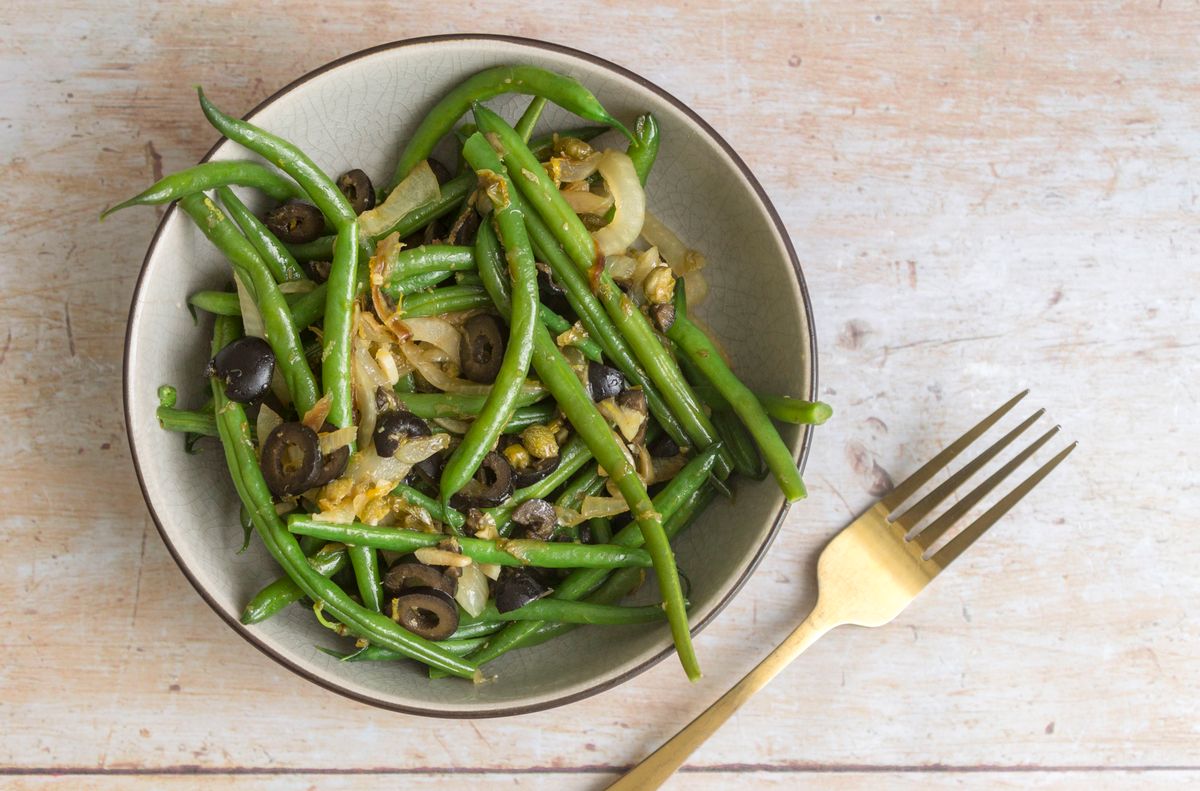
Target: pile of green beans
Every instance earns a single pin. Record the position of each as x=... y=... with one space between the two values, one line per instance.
x=525 y=454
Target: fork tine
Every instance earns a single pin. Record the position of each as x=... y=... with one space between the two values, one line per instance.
x=955 y=547
x=921 y=509
x=936 y=529
x=906 y=488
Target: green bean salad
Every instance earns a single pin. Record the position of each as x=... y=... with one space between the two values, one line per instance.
x=467 y=412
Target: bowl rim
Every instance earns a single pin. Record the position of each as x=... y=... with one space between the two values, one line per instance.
x=510 y=710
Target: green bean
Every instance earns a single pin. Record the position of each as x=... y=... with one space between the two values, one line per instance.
x=341 y=289
x=705 y=356
x=560 y=379
x=529 y=118
x=307 y=308
x=449 y=299
x=277 y=318
x=210 y=175
x=740 y=444
x=522 y=319
x=287 y=157
x=423 y=260
x=320 y=249
x=443 y=514
x=252 y=489
x=503 y=552
x=671 y=499
x=418 y=283
x=406 y=383
x=283 y=265
x=467 y=279
x=526 y=416
x=365 y=561
x=467 y=631
x=644 y=148
x=564 y=91
x=459 y=406
x=601 y=528
x=186 y=420
x=587 y=482
x=542 y=147
x=576 y=612
x=279 y=594
x=782 y=408
x=570 y=232
x=558 y=325
x=374 y=653
x=571 y=457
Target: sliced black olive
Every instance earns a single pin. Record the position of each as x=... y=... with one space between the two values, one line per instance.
x=663 y=448
x=516 y=588
x=385 y=399
x=332 y=464
x=404 y=575
x=245 y=366
x=426 y=612
x=484 y=349
x=552 y=294
x=663 y=315
x=537 y=517
x=534 y=472
x=295 y=222
x=464 y=228
x=357 y=188
x=393 y=427
x=439 y=170
x=491 y=486
x=318 y=270
x=604 y=381
x=291 y=459
x=430 y=470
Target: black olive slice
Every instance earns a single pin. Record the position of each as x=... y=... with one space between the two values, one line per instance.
x=356 y=186
x=404 y=575
x=604 y=381
x=491 y=486
x=516 y=588
x=534 y=472
x=552 y=294
x=537 y=517
x=426 y=612
x=483 y=350
x=245 y=366
x=663 y=448
x=291 y=459
x=295 y=222
x=394 y=426
x=440 y=172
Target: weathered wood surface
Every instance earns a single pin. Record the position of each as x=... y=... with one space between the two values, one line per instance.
x=985 y=196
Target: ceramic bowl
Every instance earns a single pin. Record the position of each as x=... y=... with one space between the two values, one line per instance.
x=352 y=113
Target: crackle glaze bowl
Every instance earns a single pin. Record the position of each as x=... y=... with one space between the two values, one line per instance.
x=354 y=112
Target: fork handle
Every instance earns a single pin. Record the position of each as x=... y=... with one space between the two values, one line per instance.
x=662 y=763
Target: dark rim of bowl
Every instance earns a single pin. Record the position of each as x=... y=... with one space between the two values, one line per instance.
x=332 y=686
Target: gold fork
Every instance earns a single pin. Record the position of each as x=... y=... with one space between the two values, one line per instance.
x=870 y=571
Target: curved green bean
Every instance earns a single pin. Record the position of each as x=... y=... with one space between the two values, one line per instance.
x=643 y=150
x=529 y=118
x=706 y=357
x=209 y=175
x=564 y=91
x=374 y=653
x=575 y=612
x=283 y=265
x=327 y=561
x=502 y=552
x=785 y=409
x=422 y=260
x=340 y=291
x=252 y=489
x=278 y=322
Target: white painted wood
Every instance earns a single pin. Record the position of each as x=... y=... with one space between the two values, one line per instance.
x=984 y=199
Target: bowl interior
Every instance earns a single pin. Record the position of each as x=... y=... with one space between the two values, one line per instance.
x=351 y=115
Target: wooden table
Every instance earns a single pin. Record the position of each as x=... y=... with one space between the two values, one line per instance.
x=985 y=196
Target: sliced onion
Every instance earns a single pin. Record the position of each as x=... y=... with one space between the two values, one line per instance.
x=340 y=515
x=252 y=323
x=629 y=199
x=432 y=556
x=387 y=364
x=594 y=507
x=436 y=332
x=697 y=288
x=453 y=425
x=378 y=268
x=567 y=169
x=567 y=517
x=421 y=360
x=265 y=423
x=296 y=287
x=417 y=449
x=315 y=417
x=587 y=202
x=628 y=421
x=490 y=570
x=621 y=267
x=472 y=593
x=332 y=440
x=418 y=188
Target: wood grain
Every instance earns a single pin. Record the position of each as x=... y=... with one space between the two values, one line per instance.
x=985 y=196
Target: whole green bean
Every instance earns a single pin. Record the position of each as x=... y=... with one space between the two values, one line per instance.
x=543 y=146
x=283 y=265
x=209 y=175
x=443 y=514
x=782 y=408
x=423 y=260
x=644 y=148
x=307 y=308
x=374 y=653
x=564 y=91
x=419 y=283
x=560 y=379
x=529 y=118
x=459 y=406
x=278 y=323
x=468 y=631
x=365 y=561
x=467 y=279
x=671 y=499
x=742 y=449
x=320 y=249
x=522 y=318
x=705 y=356
x=340 y=291
x=252 y=489
x=449 y=299
x=526 y=416
x=577 y=612
x=601 y=527
x=568 y=229
x=502 y=552
x=279 y=594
